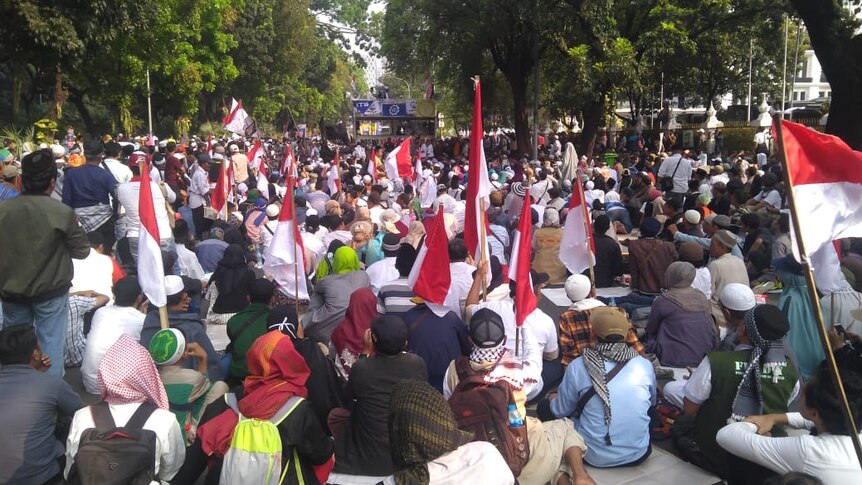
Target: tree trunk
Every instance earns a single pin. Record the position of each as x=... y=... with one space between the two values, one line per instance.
x=592 y=120
x=844 y=120
x=77 y=99
x=518 y=84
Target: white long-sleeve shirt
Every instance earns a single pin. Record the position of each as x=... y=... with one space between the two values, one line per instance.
x=170 y=446
x=830 y=458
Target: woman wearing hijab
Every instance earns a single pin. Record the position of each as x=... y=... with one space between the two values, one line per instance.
x=323 y=385
x=347 y=339
x=680 y=329
x=228 y=287
x=331 y=295
x=324 y=269
x=427 y=446
x=796 y=305
x=546 y=243
x=277 y=373
x=415 y=233
x=131 y=388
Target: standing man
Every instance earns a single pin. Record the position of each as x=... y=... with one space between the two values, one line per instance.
x=40 y=237
x=240 y=165
x=88 y=189
x=174 y=171
x=198 y=191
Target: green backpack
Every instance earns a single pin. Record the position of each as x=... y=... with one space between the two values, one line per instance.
x=254 y=456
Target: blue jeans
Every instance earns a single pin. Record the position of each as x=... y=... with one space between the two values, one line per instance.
x=49 y=318
x=630 y=302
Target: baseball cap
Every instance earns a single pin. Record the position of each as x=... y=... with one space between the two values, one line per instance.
x=167 y=346
x=737 y=297
x=486 y=329
x=608 y=322
x=93 y=148
x=10 y=171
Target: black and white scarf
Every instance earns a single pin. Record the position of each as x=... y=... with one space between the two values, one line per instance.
x=594 y=359
x=767 y=357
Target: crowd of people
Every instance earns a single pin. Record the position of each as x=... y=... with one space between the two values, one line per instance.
x=365 y=382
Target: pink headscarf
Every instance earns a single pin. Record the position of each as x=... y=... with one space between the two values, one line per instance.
x=127 y=374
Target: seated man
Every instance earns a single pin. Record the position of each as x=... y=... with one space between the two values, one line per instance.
x=756 y=378
x=384 y=271
x=608 y=392
x=576 y=332
x=189 y=391
x=80 y=304
x=551 y=443
x=125 y=316
x=246 y=326
x=32 y=401
x=362 y=438
x=649 y=258
x=396 y=296
x=188 y=323
x=437 y=335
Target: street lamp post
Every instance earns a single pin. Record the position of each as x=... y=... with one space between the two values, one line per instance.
x=409 y=95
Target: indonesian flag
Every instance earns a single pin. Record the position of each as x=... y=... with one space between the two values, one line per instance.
x=372 y=166
x=398 y=163
x=430 y=277
x=255 y=155
x=333 y=181
x=219 y=196
x=210 y=145
x=478 y=184
x=235 y=121
x=826 y=177
x=151 y=271
x=577 y=246
x=417 y=169
x=519 y=272
x=285 y=256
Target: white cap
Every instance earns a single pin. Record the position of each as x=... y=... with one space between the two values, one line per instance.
x=272 y=211
x=174 y=285
x=57 y=151
x=367 y=179
x=738 y=297
x=234 y=148
x=578 y=287
x=692 y=216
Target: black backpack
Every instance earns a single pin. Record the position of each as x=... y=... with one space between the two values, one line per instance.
x=111 y=455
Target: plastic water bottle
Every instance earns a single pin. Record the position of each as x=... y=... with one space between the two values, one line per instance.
x=515 y=419
x=612 y=302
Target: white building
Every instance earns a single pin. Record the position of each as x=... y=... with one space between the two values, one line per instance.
x=810 y=83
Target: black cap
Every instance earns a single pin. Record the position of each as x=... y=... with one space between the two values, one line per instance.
x=486 y=329
x=390 y=334
x=93 y=148
x=283 y=318
x=771 y=322
x=539 y=278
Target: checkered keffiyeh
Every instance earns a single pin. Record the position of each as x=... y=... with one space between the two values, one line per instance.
x=127 y=374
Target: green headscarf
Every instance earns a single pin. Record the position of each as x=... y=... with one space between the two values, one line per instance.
x=345 y=261
x=421 y=428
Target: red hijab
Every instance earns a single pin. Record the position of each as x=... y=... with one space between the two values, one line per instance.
x=350 y=332
x=276 y=373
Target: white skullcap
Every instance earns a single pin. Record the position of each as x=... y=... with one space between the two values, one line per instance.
x=311 y=211
x=494 y=176
x=591 y=185
x=736 y=296
x=578 y=287
x=367 y=179
x=692 y=216
x=57 y=151
x=174 y=285
x=272 y=211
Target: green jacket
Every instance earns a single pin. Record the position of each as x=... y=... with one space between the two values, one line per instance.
x=241 y=340
x=39 y=236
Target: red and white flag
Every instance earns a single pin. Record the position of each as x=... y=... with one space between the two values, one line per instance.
x=285 y=256
x=235 y=120
x=479 y=186
x=210 y=146
x=430 y=277
x=826 y=176
x=219 y=196
x=151 y=271
x=372 y=166
x=577 y=246
x=255 y=155
x=519 y=270
x=397 y=163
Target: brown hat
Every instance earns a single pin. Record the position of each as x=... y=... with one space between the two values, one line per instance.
x=691 y=252
x=609 y=321
x=725 y=237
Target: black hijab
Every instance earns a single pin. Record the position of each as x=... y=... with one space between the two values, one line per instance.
x=232 y=277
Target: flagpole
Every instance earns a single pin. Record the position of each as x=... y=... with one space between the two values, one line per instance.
x=483 y=255
x=163 y=317
x=295 y=266
x=586 y=229
x=812 y=290
x=149 y=108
